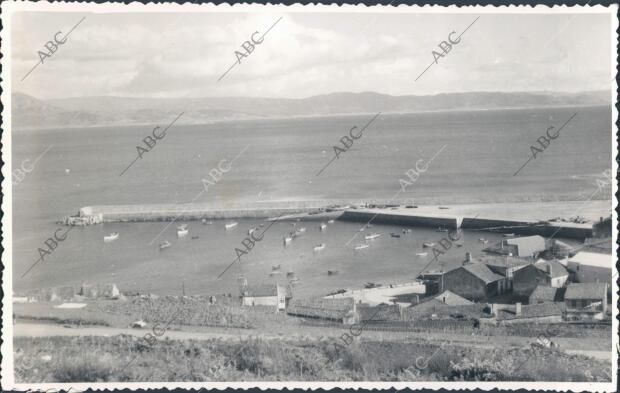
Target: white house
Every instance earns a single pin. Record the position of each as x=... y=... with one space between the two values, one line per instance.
x=264 y=295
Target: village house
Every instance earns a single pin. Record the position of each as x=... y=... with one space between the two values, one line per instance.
x=558 y=275
x=522 y=247
x=586 y=301
x=547 y=294
x=341 y=309
x=474 y=282
x=546 y=273
x=265 y=295
x=586 y=266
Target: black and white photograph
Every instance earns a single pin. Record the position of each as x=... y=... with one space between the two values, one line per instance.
x=309 y=196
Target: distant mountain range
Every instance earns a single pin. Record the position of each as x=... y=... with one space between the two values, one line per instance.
x=30 y=112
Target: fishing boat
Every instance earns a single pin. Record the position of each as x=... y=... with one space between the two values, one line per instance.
x=323 y=226
x=428 y=244
x=372 y=236
x=330 y=221
x=319 y=247
x=182 y=231
x=508 y=234
x=287 y=239
x=194 y=237
x=111 y=237
x=421 y=254
x=394 y=234
x=231 y=225
x=163 y=245
x=275 y=267
x=332 y=272
x=362 y=246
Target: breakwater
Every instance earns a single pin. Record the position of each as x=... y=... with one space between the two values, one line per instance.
x=443 y=220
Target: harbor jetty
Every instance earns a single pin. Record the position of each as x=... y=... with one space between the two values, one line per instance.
x=545 y=219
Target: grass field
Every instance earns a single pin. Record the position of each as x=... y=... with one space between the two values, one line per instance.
x=128 y=358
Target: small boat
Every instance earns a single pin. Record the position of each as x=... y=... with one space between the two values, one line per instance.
x=330 y=221
x=440 y=229
x=459 y=244
x=406 y=230
x=362 y=246
x=205 y=222
x=508 y=234
x=275 y=267
x=163 y=245
x=319 y=247
x=252 y=230
x=111 y=237
x=372 y=236
x=362 y=229
x=483 y=240
x=428 y=244
x=300 y=230
x=290 y=274
x=332 y=272
x=421 y=254
x=231 y=225
x=261 y=225
x=287 y=239
x=182 y=231
x=323 y=226
x=194 y=237
x=394 y=234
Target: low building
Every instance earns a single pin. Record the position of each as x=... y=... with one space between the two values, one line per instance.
x=547 y=294
x=379 y=313
x=341 y=310
x=535 y=313
x=522 y=247
x=586 y=301
x=526 y=279
x=558 y=275
x=474 y=282
x=264 y=295
x=452 y=299
x=586 y=266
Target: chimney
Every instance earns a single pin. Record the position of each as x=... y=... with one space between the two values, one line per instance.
x=468 y=257
x=518 y=311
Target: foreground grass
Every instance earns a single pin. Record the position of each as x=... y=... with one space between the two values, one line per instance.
x=127 y=358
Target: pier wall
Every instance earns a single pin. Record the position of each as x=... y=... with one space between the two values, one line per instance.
x=402 y=219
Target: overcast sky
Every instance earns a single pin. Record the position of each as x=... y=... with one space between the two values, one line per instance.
x=182 y=54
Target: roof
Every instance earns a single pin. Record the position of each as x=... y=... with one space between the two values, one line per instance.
x=546 y=293
x=482 y=272
x=527 y=240
x=452 y=299
x=557 y=269
x=558 y=244
x=534 y=311
x=318 y=307
x=260 y=290
x=592 y=259
x=586 y=290
x=379 y=313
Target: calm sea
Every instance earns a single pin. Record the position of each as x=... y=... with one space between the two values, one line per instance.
x=482 y=151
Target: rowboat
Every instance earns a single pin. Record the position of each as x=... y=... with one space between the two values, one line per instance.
x=252 y=230
x=287 y=239
x=231 y=225
x=421 y=254
x=194 y=237
x=323 y=226
x=300 y=230
x=163 y=245
x=372 y=236
x=182 y=231
x=319 y=247
x=111 y=237
x=332 y=272
x=508 y=234
x=361 y=246
x=394 y=234
x=330 y=221
x=428 y=244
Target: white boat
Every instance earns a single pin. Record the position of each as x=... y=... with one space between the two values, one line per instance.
x=163 y=245
x=421 y=254
x=205 y=222
x=182 y=232
x=330 y=221
x=111 y=237
x=287 y=239
x=428 y=244
x=361 y=246
x=252 y=230
x=483 y=240
x=231 y=225
x=508 y=234
x=300 y=230
x=323 y=226
x=319 y=247
x=372 y=236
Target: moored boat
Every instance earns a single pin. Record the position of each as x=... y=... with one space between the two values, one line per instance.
x=483 y=240
x=362 y=246
x=319 y=247
x=421 y=254
x=330 y=221
x=372 y=236
x=508 y=234
x=394 y=234
x=300 y=230
x=205 y=222
x=231 y=225
x=111 y=237
x=332 y=272
x=182 y=231
x=275 y=267
x=163 y=245
x=440 y=229
x=287 y=239
x=323 y=226
x=428 y=244
x=252 y=230
x=194 y=237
